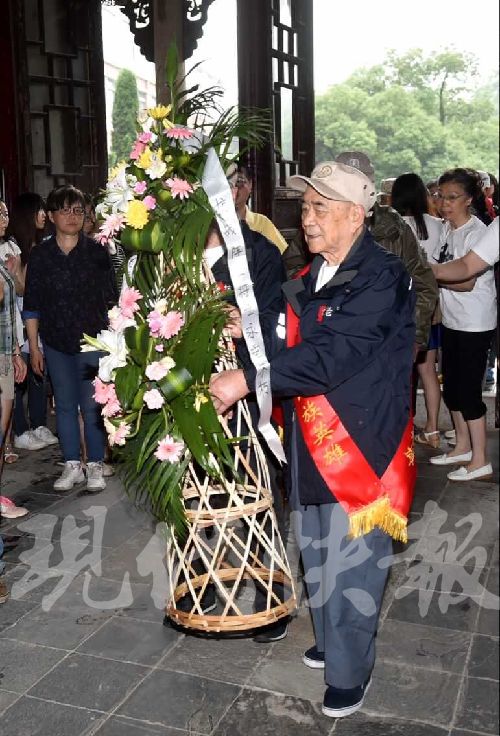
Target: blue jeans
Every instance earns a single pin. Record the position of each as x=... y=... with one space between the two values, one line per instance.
x=37 y=401
x=72 y=377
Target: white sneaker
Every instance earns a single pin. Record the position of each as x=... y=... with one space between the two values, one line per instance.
x=107 y=470
x=29 y=441
x=95 y=477
x=71 y=475
x=45 y=435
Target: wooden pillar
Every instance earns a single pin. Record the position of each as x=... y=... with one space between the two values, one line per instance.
x=168 y=28
x=255 y=89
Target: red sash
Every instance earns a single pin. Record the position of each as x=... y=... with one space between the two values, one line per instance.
x=368 y=500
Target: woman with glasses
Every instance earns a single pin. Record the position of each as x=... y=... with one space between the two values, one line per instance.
x=12 y=366
x=469 y=320
x=70 y=287
x=410 y=199
x=27 y=225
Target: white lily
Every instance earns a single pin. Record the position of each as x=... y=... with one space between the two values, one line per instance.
x=110 y=342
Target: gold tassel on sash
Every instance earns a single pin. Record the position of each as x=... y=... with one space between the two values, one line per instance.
x=378 y=514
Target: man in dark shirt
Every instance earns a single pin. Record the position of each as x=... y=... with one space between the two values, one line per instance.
x=70 y=286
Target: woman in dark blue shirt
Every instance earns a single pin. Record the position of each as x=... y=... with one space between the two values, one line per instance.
x=70 y=286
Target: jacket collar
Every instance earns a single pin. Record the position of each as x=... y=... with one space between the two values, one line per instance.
x=299 y=290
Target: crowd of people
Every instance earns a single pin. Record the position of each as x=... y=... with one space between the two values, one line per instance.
x=365 y=321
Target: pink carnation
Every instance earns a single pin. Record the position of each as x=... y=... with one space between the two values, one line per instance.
x=111 y=408
x=169 y=450
x=179 y=187
x=112 y=224
x=155 y=322
x=101 y=238
x=156 y=371
x=179 y=133
x=150 y=202
x=171 y=324
x=104 y=392
x=145 y=137
x=117 y=436
x=140 y=187
x=153 y=399
x=137 y=150
x=128 y=301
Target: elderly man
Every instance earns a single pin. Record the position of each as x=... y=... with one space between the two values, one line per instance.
x=345 y=381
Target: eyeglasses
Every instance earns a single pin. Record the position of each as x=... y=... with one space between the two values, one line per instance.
x=238 y=183
x=4 y=215
x=449 y=198
x=78 y=211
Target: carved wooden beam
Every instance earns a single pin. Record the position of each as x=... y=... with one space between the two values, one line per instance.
x=140 y=14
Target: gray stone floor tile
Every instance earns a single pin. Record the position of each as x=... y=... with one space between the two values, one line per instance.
x=423 y=646
x=13 y=610
x=462 y=732
x=23 y=664
x=484 y=658
x=460 y=615
x=6 y=699
x=180 y=701
x=226 y=660
x=126 y=557
x=68 y=622
x=460 y=500
x=257 y=713
x=412 y=694
x=17 y=545
x=19 y=579
x=488 y=622
x=360 y=723
x=448 y=578
x=283 y=671
x=129 y=640
x=478 y=706
x=123 y=727
x=89 y=682
x=31 y=717
x=144 y=606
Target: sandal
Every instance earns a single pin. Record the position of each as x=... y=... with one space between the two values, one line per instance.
x=10 y=456
x=431 y=439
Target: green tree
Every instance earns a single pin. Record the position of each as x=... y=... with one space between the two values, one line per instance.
x=125 y=111
x=412 y=113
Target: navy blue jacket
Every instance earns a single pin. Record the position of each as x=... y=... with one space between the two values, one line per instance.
x=268 y=274
x=357 y=336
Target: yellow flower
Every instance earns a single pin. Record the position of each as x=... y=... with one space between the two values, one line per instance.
x=114 y=172
x=137 y=214
x=199 y=400
x=168 y=124
x=160 y=111
x=145 y=159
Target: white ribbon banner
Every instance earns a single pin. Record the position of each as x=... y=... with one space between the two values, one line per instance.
x=216 y=186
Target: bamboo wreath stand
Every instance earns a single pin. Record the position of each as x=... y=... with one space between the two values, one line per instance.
x=232 y=546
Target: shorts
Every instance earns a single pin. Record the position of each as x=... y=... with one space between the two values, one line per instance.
x=6 y=378
x=435 y=337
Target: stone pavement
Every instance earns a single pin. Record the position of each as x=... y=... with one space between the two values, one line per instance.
x=111 y=668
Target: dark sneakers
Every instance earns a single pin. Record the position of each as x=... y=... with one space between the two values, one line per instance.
x=314 y=659
x=339 y=703
x=273 y=632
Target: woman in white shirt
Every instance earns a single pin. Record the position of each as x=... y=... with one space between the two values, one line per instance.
x=469 y=319
x=410 y=199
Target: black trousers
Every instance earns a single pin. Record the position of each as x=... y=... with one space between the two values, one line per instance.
x=463 y=363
